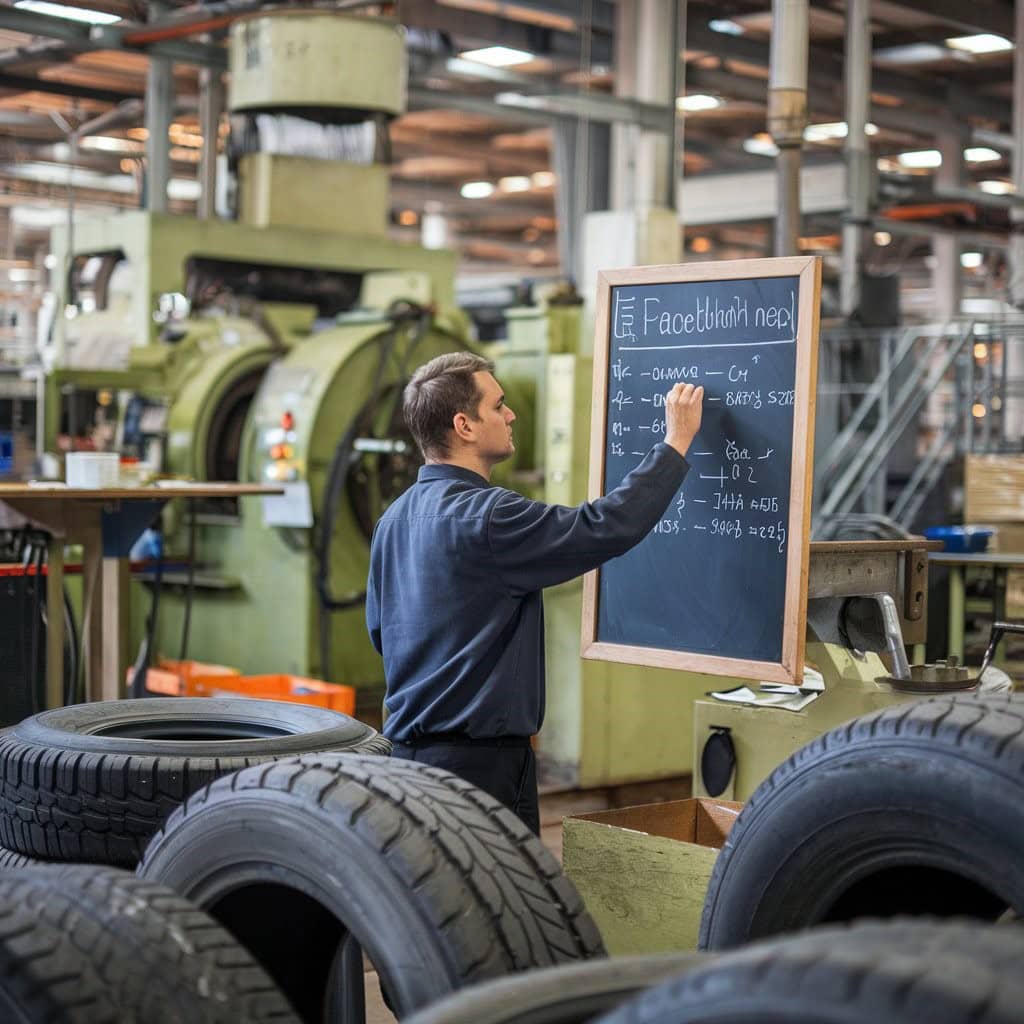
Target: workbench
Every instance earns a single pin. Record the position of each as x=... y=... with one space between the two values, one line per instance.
x=106 y=522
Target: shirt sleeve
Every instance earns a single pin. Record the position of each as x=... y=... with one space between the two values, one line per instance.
x=536 y=545
x=373 y=605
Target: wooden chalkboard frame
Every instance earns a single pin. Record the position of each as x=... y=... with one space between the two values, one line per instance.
x=808 y=270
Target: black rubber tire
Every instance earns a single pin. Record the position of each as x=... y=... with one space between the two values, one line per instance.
x=91 y=783
x=93 y=945
x=917 y=809
x=893 y=972
x=439 y=885
x=12 y=859
x=569 y=994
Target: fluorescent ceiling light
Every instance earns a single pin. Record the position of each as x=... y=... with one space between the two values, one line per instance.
x=984 y=42
x=912 y=53
x=112 y=144
x=971 y=260
x=921 y=158
x=697 y=101
x=726 y=26
x=476 y=190
x=542 y=179
x=981 y=155
x=498 y=56
x=515 y=183
x=66 y=12
x=996 y=187
x=760 y=145
x=833 y=130
x=882 y=238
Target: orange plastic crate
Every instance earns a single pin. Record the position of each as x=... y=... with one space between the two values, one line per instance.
x=297 y=689
x=176 y=678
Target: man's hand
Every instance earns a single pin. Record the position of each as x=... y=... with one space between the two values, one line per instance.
x=683 y=407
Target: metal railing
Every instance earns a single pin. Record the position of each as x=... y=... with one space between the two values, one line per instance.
x=940 y=390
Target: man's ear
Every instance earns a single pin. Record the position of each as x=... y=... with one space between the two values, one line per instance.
x=462 y=425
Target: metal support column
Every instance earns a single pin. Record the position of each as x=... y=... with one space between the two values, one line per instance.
x=946 y=274
x=211 y=109
x=856 y=221
x=159 y=106
x=787 y=114
x=1013 y=413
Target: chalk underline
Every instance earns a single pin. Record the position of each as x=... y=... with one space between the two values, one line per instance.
x=724 y=344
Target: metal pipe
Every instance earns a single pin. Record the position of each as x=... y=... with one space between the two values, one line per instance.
x=211 y=108
x=1016 y=284
x=858 y=152
x=677 y=140
x=159 y=97
x=787 y=113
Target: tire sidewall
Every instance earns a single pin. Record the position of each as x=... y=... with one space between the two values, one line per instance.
x=210 y=854
x=856 y=811
x=311 y=728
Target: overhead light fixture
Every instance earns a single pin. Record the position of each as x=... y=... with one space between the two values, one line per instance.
x=971 y=260
x=981 y=155
x=761 y=145
x=911 y=53
x=882 y=238
x=476 y=190
x=542 y=179
x=67 y=13
x=833 y=130
x=112 y=144
x=516 y=183
x=997 y=187
x=726 y=26
x=498 y=56
x=919 y=158
x=983 y=42
x=697 y=101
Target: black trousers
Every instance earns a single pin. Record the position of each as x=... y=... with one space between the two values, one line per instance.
x=506 y=769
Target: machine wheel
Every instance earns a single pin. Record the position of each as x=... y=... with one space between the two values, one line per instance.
x=89 y=945
x=916 y=809
x=342 y=852
x=890 y=972
x=93 y=782
x=570 y=994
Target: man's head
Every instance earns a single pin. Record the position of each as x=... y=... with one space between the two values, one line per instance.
x=454 y=407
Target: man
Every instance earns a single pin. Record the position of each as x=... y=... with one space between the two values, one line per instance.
x=457 y=568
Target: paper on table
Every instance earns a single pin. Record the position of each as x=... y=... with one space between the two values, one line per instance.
x=783 y=696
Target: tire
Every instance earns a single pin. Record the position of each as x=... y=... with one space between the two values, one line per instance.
x=92 y=945
x=570 y=994
x=11 y=859
x=895 y=972
x=913 y=810
x=439 y=886
x=93 y=782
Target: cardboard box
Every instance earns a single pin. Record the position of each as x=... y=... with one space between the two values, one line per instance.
x=993 y=489
x=643 y=871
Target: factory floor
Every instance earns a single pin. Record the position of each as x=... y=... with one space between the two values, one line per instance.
x=554 y=806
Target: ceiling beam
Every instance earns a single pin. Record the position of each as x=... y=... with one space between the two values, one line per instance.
x=28 y=83
x=968 y=18
x=826 y=72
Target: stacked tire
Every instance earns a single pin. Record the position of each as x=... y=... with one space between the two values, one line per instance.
x=92 y=783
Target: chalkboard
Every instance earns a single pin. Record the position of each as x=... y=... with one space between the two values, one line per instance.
x=720 y=583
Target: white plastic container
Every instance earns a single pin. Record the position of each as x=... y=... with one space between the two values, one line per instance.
x=93 y=470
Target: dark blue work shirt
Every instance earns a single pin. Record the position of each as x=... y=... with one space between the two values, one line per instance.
x=453 y=600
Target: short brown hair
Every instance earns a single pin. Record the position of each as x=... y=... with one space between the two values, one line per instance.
x=438 y=390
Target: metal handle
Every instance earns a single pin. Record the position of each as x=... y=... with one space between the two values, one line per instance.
x=998 y=629
x=893 y=635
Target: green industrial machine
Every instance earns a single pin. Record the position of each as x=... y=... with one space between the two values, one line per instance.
x=270 y=349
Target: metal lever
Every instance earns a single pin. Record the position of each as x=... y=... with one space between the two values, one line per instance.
x=893 y=635
x=998 y=629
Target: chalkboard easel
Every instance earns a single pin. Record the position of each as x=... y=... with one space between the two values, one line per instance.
x=720 y=584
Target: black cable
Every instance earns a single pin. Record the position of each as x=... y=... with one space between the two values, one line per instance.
x=190 y=585
x=137 y=686
x=71 y=687
x=36 y=564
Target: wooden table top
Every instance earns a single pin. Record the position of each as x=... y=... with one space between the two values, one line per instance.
x=59 y=492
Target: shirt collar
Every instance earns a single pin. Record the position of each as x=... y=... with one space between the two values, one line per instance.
x=446 y=471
